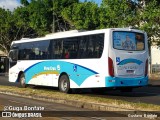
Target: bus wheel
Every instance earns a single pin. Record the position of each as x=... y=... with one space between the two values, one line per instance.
x=22 y=81
x=64 y=84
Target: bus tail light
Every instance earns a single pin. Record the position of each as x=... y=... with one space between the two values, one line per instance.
x=146 y=68
x=110 y=67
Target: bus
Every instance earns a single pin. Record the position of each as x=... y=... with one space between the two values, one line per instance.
x=105 y=58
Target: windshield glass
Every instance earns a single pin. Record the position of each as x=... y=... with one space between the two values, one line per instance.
x=124 y=40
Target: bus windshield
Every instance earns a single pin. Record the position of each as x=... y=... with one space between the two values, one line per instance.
x=132 y=41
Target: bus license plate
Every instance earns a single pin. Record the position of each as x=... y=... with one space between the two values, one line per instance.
x=130 y=71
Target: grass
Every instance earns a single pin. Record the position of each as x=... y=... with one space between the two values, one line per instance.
x=83 y=98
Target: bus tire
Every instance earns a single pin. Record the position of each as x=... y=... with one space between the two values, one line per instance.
x=22 y=81
x=64 y=84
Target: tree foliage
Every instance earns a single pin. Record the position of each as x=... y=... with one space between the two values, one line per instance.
x=149 y=19
x=117 y=13
x=24 y=2
x=22 y=27
x=6 y=29
x=58 y=6
x=82 y=15
x=40 y=16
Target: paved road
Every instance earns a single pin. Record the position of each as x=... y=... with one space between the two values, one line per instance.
x=14 y=104
x=4 y=81
x=149 y=94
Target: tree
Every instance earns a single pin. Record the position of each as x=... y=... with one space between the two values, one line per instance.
x=22 y=24
x=44 y=13
x=40 y=16
x=61 y=23
x=150 y=20
x=117 y=13
x=24 y=2
x=82 y=15
x=6 y=27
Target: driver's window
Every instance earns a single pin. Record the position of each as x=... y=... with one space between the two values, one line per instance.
x=13 y=55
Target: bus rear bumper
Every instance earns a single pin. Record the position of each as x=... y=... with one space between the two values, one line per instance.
x=124 y=82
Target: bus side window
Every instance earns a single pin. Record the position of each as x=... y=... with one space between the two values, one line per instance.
x=66 y=54
x=83 y=47
x=97 y=45
x=57 y=49
x=70 y=46
x=13 y=57
x=32 y=55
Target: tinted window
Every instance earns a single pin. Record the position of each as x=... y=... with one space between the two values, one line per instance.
x=90 y=46
x=57 y=49
x=83 y=47
x=70 y=48
x=95 y=46
x=34 y=50
x=13 y=55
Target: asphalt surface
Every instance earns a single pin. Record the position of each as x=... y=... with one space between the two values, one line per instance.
x=149 y=94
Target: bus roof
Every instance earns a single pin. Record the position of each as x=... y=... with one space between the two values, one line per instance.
x=71 y=33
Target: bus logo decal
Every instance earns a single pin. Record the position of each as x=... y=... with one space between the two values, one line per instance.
x=126 y=61
x=74 y=68
x=118 y=59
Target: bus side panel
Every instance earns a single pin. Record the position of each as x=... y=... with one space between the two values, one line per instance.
x=40 y=73
x=86 y=74
x=82 y=73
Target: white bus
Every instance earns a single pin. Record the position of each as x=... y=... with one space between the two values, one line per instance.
x=106 y=58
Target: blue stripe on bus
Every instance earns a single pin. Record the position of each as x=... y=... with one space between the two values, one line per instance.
x=31 y=66
x=76 y=72
x=130 y=60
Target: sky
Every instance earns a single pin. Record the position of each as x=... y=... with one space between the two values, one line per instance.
x=11 y=4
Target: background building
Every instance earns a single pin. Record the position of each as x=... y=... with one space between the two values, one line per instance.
x=155 y=59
